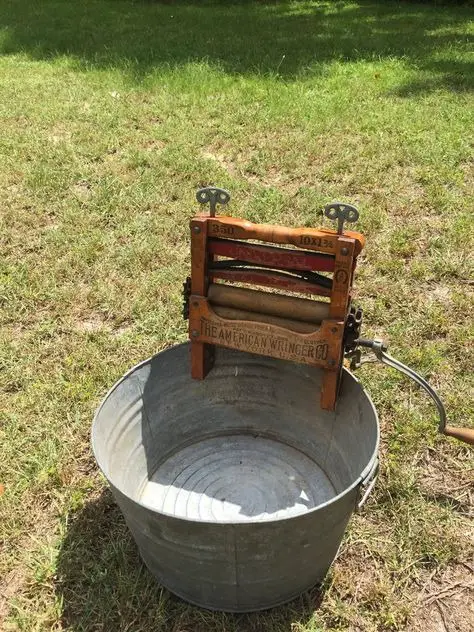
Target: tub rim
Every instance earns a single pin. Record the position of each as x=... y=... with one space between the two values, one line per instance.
x=363 y=477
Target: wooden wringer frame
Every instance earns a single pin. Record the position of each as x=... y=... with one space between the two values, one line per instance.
x=305 y=330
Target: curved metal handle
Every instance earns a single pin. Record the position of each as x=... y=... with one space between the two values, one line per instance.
x=367 y=485
x=378 y=347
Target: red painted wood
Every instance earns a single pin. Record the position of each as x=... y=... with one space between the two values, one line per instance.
x=282 y=258
x=267 y=279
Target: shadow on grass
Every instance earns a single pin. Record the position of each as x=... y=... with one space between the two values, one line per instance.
x=275 y=37
x=104 y=586
x=449 y=502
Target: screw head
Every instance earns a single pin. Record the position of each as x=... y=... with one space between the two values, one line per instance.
x=344 y=251
x=196 y=230
x=195 y=333
x=334 y=330
x=331 y=362
x=195 y=304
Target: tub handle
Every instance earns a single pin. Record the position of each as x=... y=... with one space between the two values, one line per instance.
x=366 y=485
x=379 y=348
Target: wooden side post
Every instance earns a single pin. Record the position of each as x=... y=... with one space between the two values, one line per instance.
x=202 y=355
x=340 y=297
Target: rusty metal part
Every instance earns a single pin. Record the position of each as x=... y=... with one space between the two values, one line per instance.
x=265 y=303
x=287 y=323
x=352 y=328
x=186 y=295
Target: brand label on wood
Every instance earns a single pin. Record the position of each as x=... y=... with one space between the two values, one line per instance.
x=256 y=340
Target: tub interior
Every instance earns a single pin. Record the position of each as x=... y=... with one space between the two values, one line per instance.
x=248 y=443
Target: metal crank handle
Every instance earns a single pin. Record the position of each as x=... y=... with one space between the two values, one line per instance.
x=463 y=434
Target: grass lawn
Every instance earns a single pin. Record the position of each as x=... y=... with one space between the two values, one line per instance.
x=113 y=113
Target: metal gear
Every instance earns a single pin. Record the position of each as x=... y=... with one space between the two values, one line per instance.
x=186 y=295
x=352 y=328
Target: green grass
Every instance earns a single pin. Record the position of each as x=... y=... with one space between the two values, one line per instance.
x=113 y=113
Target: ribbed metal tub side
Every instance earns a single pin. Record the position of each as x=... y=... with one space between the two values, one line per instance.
x=267 y=544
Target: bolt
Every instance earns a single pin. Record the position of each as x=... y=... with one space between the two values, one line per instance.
x=344 y=251
x=195 y=333
x=196 y=229
x=195 y=304
x=334 y=330
x=331 y=362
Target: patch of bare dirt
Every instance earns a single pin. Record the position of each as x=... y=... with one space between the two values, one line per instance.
x=92 y=323
x=82 y=189
x=273 y=176
x=443 y=481
x=154 y=145
x=439 y=294
x=9 y=586
x=446 y=602
x=228 y=165
x=59 y=135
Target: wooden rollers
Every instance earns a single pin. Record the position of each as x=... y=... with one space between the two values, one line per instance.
x=258 y=302
x=231 y=313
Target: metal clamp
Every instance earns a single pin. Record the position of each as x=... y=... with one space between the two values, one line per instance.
x=342 y=212
x=379 y=348
x=212 y=196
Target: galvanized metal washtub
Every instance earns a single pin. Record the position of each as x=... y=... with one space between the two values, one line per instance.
x=237 y=489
